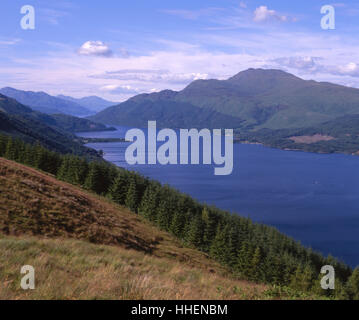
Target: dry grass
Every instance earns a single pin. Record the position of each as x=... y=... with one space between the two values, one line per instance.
x=73 y=269
x=84 y=247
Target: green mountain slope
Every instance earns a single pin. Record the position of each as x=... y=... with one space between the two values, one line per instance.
x=74 y=124
x=254 y=99
x=338 y=135
x=20 y=121
x=166 y=111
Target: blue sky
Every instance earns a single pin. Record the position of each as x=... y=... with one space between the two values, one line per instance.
x=116 y=49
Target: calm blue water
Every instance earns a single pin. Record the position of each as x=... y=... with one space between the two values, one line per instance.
x=312 y=197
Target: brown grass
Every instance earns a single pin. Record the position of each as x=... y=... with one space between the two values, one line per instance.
x=84 y=247
x=73 y=269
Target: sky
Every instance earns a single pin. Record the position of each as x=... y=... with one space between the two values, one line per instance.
x=116 y=49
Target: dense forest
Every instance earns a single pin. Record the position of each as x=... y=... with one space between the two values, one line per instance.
x=251 y=251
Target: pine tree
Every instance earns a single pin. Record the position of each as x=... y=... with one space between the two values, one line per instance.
x=10 y=151
x=131 y=201
x=194 y=236
x=255 y=265
x=149 y=202
x=94 y=178
x=219 y=245
x=351 y=288
x=233 y=245
x=210 y=228
x=118 y=189
x=163 y=215
x=303 y=278
x=244 y=259
x=64 y=169
x=3 y=144
x=177 y=225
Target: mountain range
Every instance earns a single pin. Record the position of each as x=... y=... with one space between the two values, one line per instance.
x=251 y=100
x=52 y=131
x=93 y=103
x=45 y=103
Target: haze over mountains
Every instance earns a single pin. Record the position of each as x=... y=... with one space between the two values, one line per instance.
x=93 y=103
x=52 y=131
x=43 y=102
x=251 y=100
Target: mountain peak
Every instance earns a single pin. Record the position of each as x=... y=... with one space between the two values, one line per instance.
x=262 y=73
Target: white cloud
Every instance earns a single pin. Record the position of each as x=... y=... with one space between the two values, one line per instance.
x=348 y=69
x=262 y=13
x=194 y=14
x=10 y=42
x=298 y=62
x=62 y=71
x=95 y=48
x=119 y=89
x=313 y=65
x=151 y=76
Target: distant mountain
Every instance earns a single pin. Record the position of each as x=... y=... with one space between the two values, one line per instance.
x=252 y=99
x=93 y=103
x=43 y=102
x=20 y=121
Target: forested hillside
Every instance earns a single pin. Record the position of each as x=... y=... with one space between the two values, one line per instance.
x=82 y=246
x=339 y=135
x=53 y=132
x=251 y=251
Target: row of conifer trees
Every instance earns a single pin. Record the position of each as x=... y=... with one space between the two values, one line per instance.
x=252 y=251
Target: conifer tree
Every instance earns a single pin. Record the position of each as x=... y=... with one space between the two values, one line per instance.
x=219 y=245
x=351 y=288
x=149 y=202
x=255 y=265
x=195 y=232
x=10 y=151
x=177 y=225
x=210 y=227
x=131 y=201
x=118 y=189
x=3 y=144
x=94 y=178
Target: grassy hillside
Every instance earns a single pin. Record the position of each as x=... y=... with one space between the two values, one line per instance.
x=247 y=250
x=84 y=247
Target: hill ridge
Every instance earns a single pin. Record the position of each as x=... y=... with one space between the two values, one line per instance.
x=257 y=98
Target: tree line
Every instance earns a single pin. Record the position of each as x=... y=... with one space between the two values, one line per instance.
x=252 y=251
